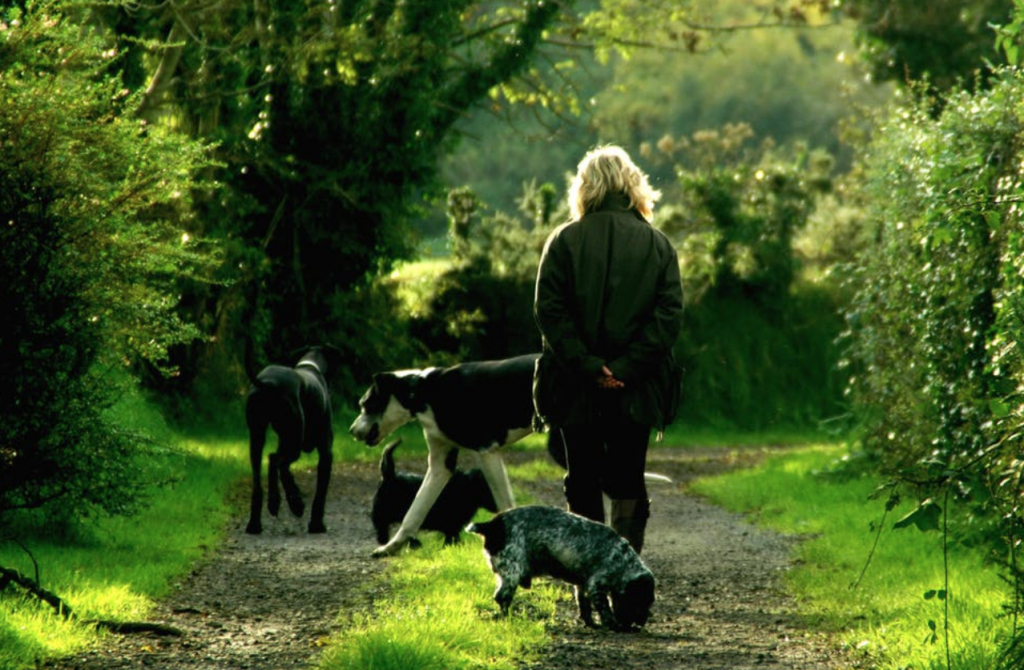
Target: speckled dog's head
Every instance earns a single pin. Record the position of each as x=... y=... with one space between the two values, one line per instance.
x=531 y=541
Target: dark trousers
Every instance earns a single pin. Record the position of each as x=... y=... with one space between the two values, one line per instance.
x=607 y=455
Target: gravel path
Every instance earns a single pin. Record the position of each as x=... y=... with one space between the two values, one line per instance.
x=270 y=601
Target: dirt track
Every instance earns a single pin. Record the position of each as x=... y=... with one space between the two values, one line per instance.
x=268 y=602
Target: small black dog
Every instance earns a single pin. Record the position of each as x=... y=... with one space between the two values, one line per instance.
x=466 y=492
x=531 y=541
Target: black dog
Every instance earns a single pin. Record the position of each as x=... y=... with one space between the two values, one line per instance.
x=527 y=542
x=466 y=492
x=296 y=403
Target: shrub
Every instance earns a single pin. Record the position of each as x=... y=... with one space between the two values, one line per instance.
x=482 y=307
x=94 y=208
x=935 y=319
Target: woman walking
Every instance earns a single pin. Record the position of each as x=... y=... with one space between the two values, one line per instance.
x=608 y=304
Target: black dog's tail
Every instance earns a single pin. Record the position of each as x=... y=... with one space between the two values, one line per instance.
x=387 y=460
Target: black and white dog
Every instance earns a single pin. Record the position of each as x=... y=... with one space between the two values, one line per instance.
x=466 y=492
x=478 y=406
x=531 y=541
x=296 y=403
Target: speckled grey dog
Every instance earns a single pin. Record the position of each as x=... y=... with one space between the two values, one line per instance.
x=531 y=541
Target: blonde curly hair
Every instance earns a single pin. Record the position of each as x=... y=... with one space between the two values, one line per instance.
x=606 y=170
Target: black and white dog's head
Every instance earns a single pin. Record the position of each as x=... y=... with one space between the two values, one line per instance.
x=391 y=402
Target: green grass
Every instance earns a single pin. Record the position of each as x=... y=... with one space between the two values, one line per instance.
x=441 y=614
x=682 y=434
x=885 y=621
x=116 y=567
x=439 y=611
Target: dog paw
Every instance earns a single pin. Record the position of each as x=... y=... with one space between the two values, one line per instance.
x=254 y=528
x=273 y=506
x=389 y=549
x=317 y=527
x=297 y=507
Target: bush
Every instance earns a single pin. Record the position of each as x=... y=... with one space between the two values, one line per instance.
x=757 y=340
x=482 y=308
x=94 y=208
x=935 y=321
x=752 y=369
x=929 y=292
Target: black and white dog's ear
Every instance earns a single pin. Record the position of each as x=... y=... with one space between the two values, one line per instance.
x=410 y=393
x=382 y=380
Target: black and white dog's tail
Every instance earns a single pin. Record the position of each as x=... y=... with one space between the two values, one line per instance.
x=556 y=450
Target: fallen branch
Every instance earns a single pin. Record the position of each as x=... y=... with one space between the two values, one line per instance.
x=9 y=576
x=32 y=586
x=129 y=627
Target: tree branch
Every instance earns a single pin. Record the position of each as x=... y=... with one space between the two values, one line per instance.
x=164 y=72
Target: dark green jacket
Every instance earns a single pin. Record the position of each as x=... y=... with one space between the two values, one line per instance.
x=608 y=293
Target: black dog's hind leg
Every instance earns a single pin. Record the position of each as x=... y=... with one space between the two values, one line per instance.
x=273 y=488
x=323 y=477
x=289 y=445
x=281 y=464
x=257 y=423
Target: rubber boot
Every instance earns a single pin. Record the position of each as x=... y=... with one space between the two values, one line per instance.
x=629 y=519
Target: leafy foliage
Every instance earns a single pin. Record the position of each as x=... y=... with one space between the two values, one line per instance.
x=96 y=228
x=748 y=211
x=757 y=339
x=806 y=80
x=927 y=301
x=935 y=319
x=482 y=308
x=331 y=118
x=949 y=43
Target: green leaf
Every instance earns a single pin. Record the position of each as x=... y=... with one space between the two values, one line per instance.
x=925 y=517
x=998 y=408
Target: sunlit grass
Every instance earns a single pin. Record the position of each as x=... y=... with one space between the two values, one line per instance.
x=887 y=618
x=441 y=614
x=680 y=434
x=115 y=568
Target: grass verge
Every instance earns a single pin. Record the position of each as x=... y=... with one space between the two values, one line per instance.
x=895 y=618
x=116 y=567
x=441 y=614
x=440 y=611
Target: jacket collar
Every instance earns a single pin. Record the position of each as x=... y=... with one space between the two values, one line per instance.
x=613 y=202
